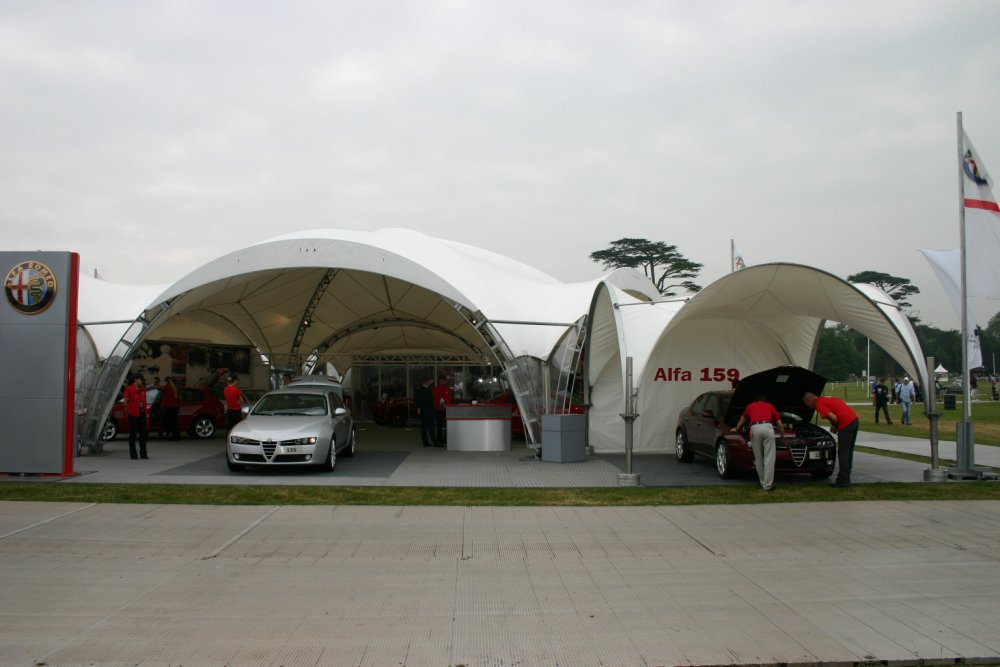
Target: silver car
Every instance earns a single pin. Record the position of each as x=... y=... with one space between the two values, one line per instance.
x=297 y=425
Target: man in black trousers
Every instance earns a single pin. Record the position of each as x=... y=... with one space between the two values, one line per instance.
x=425 y=408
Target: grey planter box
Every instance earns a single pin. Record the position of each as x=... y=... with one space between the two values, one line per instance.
x=564 y=438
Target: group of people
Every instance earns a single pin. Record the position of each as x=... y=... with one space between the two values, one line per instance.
x=905 y=393
x=763 y=417
x=432 y=401
x=155 y=406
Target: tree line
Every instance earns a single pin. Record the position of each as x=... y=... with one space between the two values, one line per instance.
x=842 y=352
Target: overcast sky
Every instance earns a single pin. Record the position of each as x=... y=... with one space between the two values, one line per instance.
x=151 y=137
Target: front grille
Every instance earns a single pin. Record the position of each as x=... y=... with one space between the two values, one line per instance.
x=268 y=448
x=799 y=453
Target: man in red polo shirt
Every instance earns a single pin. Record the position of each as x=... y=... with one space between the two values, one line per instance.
x=844 y=423
x=234 y=403
x=136 y=409
x=171 y=403
x=762 y=417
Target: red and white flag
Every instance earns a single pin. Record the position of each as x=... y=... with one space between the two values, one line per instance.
x=982 y=226
x=738 y=262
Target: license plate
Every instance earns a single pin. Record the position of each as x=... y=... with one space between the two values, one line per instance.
x=815 y=455
x=291 y=450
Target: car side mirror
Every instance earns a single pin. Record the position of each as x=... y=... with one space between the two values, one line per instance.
x=340 y=412
x=245 y=410
x=709 y=413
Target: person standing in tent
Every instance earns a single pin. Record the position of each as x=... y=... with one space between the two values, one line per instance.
x=425 y=408
x=844 y=423
x=881 y=396
x=442 y=399
x=137 y=410
x=907 y=393
x=234 y=403
x=762 y=417
x=171 y=403
x=154 y=397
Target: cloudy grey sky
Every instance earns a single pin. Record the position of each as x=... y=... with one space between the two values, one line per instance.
x=151 y=137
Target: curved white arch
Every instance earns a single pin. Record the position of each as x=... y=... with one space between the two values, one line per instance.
x=763 y=316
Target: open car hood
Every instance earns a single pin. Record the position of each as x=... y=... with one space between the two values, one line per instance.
x=783 y=386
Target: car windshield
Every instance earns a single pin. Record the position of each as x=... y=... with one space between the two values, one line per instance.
x=725 y=398
x=313 y=405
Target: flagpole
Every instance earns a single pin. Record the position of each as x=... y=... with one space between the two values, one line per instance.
x=732 y=255
x=966 y=389
x=964 y=435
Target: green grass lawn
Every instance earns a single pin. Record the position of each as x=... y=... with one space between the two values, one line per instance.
x=985 y=416
x=616 y=496
x=855 y=391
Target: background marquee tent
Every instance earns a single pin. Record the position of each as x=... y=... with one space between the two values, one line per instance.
x=748 y=321
x=338 y=296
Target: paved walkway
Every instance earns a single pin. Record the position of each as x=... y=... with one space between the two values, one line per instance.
x=985 y=455
x=879 y=582
x=863 y=583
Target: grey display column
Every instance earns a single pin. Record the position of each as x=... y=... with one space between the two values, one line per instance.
x=564 y=438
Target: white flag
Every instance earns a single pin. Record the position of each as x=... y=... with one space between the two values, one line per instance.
x=982 y=226
x=975 y=350
x=946 y=265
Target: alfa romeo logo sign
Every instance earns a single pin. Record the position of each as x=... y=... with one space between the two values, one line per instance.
x=30 y=287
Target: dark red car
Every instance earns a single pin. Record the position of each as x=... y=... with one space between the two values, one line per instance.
x=200 y=415
x=394 y=411
x=516 y=423
x=703 y=427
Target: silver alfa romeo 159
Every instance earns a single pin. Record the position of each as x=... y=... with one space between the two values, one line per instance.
x=300 y=425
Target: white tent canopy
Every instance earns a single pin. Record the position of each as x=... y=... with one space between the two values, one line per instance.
x=390 y=291
x=620 y=326
x=337 y=296
x=106 y=310
x=763 y=316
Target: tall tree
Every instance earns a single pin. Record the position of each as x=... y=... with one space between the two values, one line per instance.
x=663 y=264
x=945 y=345
x=989 y=338
x=898 y=288
x=836 y=357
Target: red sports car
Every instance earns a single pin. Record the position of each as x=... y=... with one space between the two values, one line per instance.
x=703 y=427
x=201 y=413
x=395 y=411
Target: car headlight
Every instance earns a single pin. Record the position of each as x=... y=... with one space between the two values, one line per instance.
x=239 y=440
x=305 y=441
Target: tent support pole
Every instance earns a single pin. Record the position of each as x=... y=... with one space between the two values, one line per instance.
x=935 y=473
x=628 y=478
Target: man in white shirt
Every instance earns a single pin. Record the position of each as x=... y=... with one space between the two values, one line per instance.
x=906 y=394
